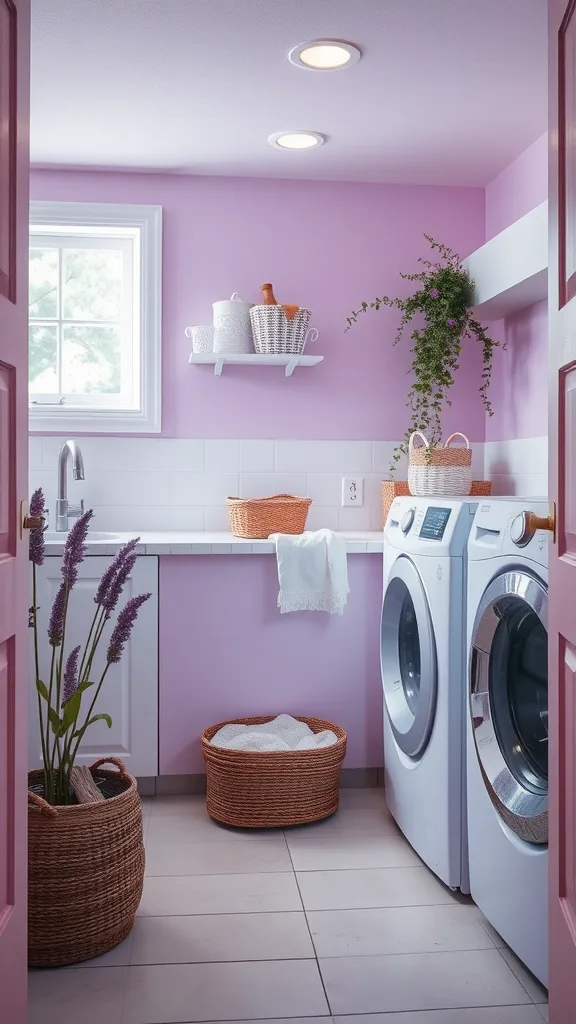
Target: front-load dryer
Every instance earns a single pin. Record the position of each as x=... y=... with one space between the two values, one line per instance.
x=422 y=650
x=507 y=725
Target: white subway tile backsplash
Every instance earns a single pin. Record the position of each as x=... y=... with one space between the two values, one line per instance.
x=180 y=483
x=325 y=488
x=324 y=456
x=518 y=466
x=201 y=488
x=256 y=456
x=262 y=485
x=222 y=456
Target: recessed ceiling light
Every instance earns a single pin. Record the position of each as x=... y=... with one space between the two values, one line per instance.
x=296 y=140
x=324 y=55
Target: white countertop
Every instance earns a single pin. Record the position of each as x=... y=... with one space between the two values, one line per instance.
x=197 y=543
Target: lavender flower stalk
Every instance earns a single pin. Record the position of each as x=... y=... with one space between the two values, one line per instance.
x=36 y=541
x=75 y=549
x=123 y=628
x=56 y=623
x=113 y=580
x=70 y=675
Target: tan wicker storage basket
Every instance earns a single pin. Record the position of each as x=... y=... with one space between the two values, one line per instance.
x=273 y=789
x=439 y=471
x=257 y=518
x=85 y=871
x=399 y=488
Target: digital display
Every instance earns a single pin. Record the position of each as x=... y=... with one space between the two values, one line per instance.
x=434 y=523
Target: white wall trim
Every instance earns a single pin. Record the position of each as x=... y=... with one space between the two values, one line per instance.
x=147 y=419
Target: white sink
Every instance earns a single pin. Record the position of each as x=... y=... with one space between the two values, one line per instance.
x=53 y=537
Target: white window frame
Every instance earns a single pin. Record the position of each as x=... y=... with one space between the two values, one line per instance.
x=146 y=419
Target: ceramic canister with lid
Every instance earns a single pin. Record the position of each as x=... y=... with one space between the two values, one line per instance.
x=232 y=327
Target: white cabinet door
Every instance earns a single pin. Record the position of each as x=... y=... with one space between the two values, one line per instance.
x=130 y=691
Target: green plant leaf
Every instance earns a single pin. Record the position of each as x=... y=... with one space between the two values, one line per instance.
x=71 y=710
x=84 y=685
x=42 y=690
x=55 y=721
x=95 y=718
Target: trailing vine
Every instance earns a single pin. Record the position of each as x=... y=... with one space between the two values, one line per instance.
x=443 y=299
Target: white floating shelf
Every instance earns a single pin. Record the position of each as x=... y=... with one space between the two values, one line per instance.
x=221 y=359
x=511 y=270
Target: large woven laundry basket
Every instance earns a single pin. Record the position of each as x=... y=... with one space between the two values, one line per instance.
x=273 y=788
x=85 y=870
x=440 y=470
x=257 y=518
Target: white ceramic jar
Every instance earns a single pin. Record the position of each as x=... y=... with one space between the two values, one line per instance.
x=232 y=327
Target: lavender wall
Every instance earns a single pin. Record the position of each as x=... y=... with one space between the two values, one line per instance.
x=323 y=244
x=519 y=392
x=520 y=187
x=227 y=652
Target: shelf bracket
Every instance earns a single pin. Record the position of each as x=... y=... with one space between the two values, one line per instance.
x=218 y=367
x=290 y=367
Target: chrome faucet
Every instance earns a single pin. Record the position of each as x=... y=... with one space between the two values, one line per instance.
x=63 y=509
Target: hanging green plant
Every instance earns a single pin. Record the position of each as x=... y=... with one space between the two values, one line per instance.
x=444 y=300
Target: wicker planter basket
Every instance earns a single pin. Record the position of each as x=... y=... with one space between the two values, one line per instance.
x=273 y=789
x=439 y=471
x=257 y=518
x=85 y=870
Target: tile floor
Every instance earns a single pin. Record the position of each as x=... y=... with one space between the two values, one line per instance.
x=337 y=919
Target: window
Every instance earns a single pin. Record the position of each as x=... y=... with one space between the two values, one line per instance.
x=95 y=317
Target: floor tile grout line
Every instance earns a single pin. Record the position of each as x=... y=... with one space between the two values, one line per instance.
x=320 y=975
x=518 y=979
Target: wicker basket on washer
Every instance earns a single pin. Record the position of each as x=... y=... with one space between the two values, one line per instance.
x=257 y=518
x=439 y=471
x=273 y=788
x=279 y=330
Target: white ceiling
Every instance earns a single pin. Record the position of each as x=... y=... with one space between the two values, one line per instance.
x=447 y=91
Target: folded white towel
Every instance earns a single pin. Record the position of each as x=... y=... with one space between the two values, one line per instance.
x=283 y=733
x=312 y=572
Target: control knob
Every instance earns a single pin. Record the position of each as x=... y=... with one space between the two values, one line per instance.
x=407 y=520
x=525 y=524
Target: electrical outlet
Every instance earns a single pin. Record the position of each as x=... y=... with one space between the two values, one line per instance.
x=352 y=491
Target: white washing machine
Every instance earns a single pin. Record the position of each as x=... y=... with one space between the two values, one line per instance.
x=507 y=725
x=423 y=661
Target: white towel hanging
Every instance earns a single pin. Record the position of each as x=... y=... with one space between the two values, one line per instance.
x=312 y=572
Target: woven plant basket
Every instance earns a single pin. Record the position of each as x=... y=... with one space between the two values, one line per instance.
x=85 y=870
x=278 y=330
x=440 y=471
x=273 y=789
x=392 y=489
x=257 y=518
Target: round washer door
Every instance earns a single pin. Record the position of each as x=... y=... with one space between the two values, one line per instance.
x=408 y=658
x=509 y=700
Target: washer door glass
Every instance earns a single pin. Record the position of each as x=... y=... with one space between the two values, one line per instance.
x=509 y=700
x=408 y=658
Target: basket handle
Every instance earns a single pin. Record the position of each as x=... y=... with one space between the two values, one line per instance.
x=310 y=336
x=457 y=433
x=236 y=297
x=38 y=801
x=111 y=760
x=187 y=332
x=417 y=433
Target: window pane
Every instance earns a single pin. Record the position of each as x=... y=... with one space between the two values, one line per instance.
x=92 y=284
x=91 y=360
x=43 y=369
x=44 y=283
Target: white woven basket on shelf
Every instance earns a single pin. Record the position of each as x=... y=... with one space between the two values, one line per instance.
x=276 y=333
x=441 y=470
